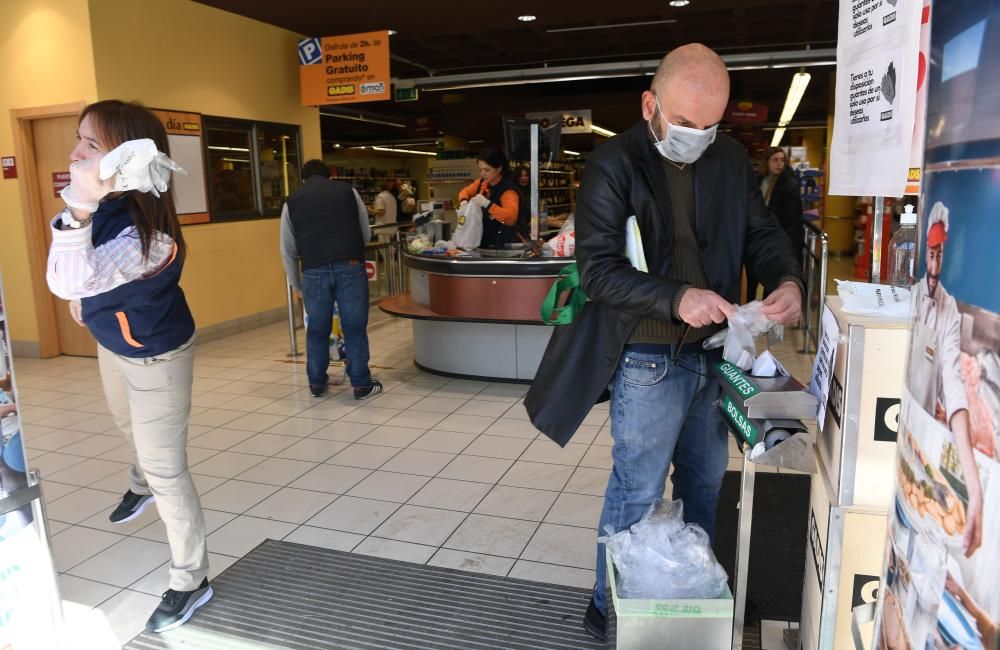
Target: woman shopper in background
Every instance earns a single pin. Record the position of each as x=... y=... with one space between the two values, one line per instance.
x=117 y=256
x=496 y=193
x=781 y=194
x=522 y=178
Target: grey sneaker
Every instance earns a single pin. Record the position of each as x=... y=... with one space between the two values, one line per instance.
x=176 y=607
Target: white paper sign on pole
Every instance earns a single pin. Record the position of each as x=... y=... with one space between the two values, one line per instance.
x=877 y=60
x=826 y=354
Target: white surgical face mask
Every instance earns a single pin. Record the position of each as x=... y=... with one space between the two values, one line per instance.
x=682 y=144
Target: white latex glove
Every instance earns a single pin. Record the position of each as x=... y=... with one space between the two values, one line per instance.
x=462 y=207
x=137 y=165
x=86 y=188
x=481 y=201
x=76 y=311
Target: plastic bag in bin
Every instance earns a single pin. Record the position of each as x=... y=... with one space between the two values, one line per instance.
x=661 y=557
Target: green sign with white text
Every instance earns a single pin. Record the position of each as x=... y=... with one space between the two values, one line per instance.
x=740 y=420
x=737 y=379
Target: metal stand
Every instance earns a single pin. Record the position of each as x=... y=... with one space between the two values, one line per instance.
x=878 y=214
x=534 y=183
x=33 y=495
x=292 y=341
x=812 y=319
x=745 y=505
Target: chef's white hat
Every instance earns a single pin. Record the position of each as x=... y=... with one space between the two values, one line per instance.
x=937 y=226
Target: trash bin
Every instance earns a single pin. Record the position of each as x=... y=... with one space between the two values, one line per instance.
x=688 y=624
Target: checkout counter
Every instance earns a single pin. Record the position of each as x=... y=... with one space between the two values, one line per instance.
x=477 y=317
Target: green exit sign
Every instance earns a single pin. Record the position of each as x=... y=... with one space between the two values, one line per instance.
x=406 y=94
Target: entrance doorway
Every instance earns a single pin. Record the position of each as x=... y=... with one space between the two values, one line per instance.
x=47 y=135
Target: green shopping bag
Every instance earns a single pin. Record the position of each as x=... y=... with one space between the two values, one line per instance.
x=569 y=280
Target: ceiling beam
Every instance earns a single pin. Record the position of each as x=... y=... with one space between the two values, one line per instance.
x=794 y=58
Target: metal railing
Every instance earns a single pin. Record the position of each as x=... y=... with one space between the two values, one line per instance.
x=389 y=270
x=816 y=253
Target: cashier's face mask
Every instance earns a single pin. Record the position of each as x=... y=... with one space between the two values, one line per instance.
x=683 y=144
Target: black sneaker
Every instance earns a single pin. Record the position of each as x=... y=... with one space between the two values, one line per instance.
x=131 y=507
x=176 y=607
x=368 y=391
x=595 y=622
x=317 y=391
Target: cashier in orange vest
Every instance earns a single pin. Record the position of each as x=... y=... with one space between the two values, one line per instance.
x=497 y=195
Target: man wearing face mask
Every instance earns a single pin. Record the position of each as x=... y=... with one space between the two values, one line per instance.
x=701 y=217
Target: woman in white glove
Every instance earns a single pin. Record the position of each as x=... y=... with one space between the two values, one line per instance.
x=497 y=195
x=117 y=255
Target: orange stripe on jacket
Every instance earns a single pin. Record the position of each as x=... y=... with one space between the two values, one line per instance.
x=126 y=329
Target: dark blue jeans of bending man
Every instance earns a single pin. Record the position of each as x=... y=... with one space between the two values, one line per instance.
x=663 y=413
x=345 y=283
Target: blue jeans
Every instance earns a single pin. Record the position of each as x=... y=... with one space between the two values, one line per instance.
x=345 y=283
x=662 y=413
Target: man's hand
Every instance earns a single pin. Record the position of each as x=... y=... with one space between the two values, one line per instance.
x=298 y=293
x=784 y=305
x=76 y=311
x=700 y=308
x=7 y=409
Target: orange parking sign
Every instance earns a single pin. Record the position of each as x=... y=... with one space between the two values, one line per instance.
x=351 y=68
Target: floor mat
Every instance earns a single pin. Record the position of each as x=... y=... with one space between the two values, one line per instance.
x=285 y=595
x=777 y=542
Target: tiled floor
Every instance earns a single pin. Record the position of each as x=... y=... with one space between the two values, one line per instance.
x=449 y=473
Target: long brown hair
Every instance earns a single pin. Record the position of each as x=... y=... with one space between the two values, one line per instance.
x=115 y=122
x=767 y=160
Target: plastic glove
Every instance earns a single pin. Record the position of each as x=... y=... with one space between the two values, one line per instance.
x=76 y=311
x=462 y=208
x=746 y=324
x=86 y=188
x=481 y=201
x=137 y=165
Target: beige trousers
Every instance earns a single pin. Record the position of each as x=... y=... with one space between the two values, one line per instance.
x=150 y=401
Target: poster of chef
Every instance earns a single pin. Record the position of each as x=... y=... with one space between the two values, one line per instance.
x=941 y=586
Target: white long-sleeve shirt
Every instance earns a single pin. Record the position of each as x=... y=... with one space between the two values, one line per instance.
x=289 y=252
x=77 y=270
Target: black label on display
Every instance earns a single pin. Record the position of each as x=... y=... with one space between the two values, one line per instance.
x=887 y=419
x=835 y=401
x=816 y=544
x=865 y=590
